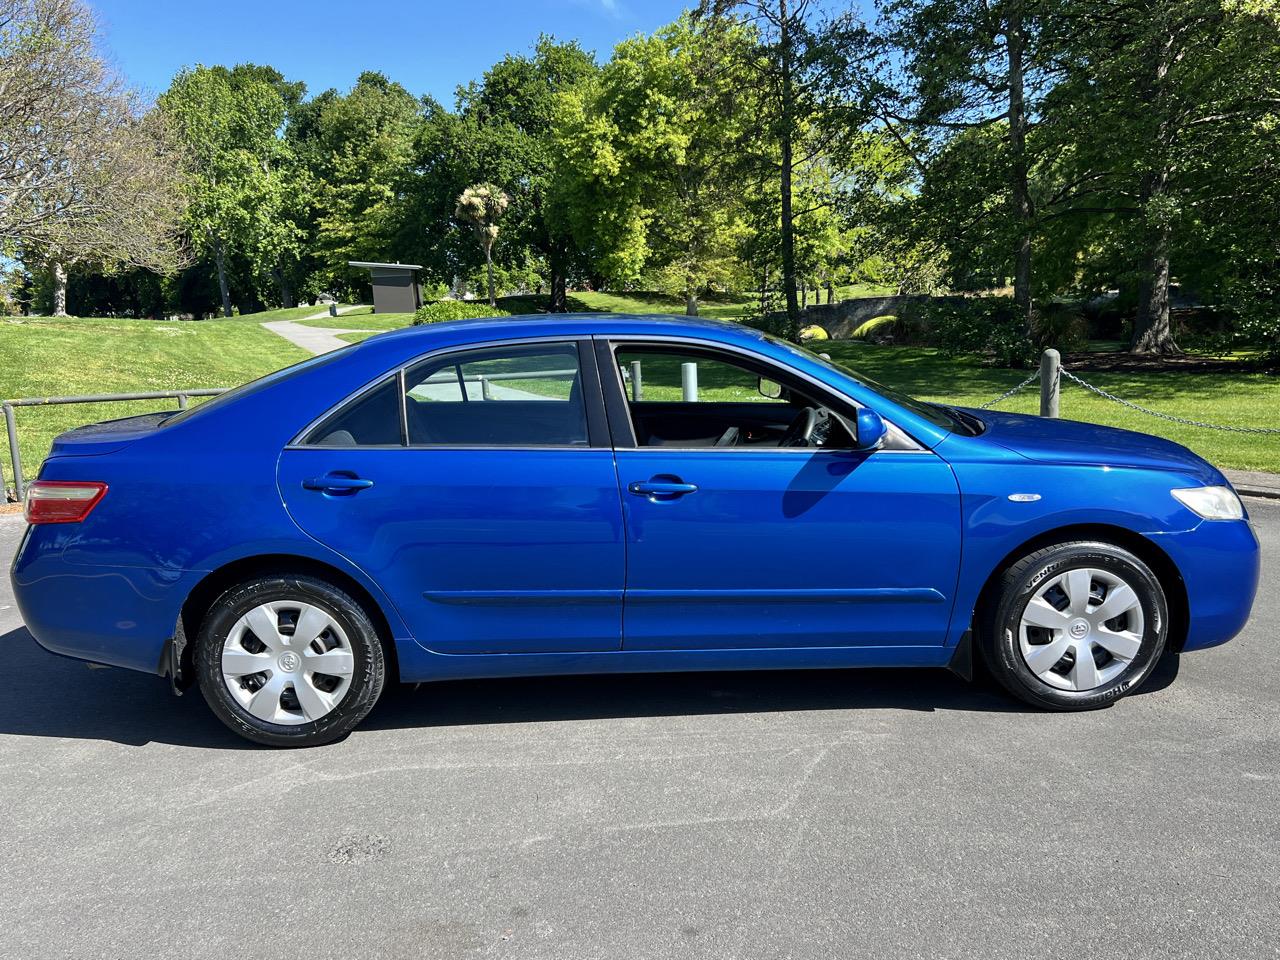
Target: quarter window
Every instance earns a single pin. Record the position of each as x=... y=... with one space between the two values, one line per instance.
x=370 y=420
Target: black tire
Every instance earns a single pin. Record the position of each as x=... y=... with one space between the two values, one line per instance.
x=1000 y=623
x=366 y=649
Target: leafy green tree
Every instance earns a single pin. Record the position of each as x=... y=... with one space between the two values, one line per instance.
x=651 y=178
x=1168 y=112
x=963 y=66
x=227 y=120
x=357 y=151
x=797 y=98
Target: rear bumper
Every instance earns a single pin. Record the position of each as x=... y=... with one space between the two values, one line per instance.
x=120 y=616
x=1220 y=564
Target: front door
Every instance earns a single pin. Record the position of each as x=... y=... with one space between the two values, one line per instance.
x=478 y=489
x=736 y=542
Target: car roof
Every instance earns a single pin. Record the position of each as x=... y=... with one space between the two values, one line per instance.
x=574 y=324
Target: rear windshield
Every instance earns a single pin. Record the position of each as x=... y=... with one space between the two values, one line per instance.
x=253 y=386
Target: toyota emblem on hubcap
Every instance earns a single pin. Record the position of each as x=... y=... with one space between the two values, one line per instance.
x=1079 y=629
x=288 y=661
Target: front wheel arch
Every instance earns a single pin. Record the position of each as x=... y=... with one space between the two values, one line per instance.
x=217 y=582
x=1144 y=549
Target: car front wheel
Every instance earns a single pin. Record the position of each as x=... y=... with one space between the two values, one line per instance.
x=1075 y=626
x=289 y=661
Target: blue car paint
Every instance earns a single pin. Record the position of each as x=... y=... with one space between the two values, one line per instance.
x=899 y=587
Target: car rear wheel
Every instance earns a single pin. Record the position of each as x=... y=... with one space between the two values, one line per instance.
x=1075 y=626
x=289 y=661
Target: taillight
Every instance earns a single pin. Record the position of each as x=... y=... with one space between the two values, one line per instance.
x=62 y=501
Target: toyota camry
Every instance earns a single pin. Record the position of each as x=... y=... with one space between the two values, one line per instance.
x=597 y=494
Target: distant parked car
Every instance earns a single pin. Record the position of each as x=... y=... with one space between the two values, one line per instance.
x=595 y=494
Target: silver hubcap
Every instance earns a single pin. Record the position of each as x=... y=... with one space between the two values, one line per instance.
x=287 y=662
x=1081 y=629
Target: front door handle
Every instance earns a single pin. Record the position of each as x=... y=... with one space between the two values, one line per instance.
x=337 y=484
x=661 y=488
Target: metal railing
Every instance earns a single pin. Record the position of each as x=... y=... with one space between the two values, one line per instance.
x=11 y=423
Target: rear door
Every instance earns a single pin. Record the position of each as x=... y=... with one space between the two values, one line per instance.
x=477 y=488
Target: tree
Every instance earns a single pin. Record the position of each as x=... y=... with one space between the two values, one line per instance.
x=502 y=133
x=970 y=65
x=794 y=75
x=85 y=174
x=357 y=149
x=228 y=122
x=481 y=206
x=651 y=174
x=1160 y=105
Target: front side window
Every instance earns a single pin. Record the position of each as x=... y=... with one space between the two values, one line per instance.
x=702 y=398
x=516 y=395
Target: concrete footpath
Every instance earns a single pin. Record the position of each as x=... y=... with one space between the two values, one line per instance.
x=315 y=339
x=1254 y=483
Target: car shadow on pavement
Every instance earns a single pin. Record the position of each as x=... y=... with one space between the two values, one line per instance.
x=50 y=696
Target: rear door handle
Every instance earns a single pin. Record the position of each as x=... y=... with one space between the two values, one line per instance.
x=661 y=488
x=337 y=484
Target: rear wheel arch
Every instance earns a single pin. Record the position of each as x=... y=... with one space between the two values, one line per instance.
x=201 y=599
x=1143 y=548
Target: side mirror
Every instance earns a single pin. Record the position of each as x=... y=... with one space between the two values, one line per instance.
x=769 y=388
x=870 y=430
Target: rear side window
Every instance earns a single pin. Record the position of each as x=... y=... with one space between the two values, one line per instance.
x=370 y=420
x=516 y=395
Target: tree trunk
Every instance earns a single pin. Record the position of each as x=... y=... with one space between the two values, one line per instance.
x=831 y=292
x=1016 y=46
x=1152 y=330
x=59 y=272
x=286 y=289
x=690 y=303
x=220 y=257
x=788 y=226
x=488 y=265
x=559 y=302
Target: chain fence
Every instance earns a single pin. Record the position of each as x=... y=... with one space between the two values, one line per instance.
x=1011 y=391
x=1185 y=421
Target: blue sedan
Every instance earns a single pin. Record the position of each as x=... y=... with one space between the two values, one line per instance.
x=592 y=494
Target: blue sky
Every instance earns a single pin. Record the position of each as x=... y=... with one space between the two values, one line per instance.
x=429 y=46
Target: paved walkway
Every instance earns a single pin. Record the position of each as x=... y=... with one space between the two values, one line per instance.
x=315 y=339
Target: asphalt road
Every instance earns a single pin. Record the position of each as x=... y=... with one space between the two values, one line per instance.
x=870 y=814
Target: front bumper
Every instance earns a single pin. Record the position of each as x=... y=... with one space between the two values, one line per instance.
x=1220 y=563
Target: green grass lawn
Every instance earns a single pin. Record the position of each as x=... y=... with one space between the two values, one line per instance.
x=42 y=356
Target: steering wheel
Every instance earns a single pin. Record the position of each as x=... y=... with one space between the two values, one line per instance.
x=800 y=431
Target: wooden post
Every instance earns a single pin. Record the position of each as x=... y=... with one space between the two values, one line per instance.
x=1050 y=380
x=689 y=382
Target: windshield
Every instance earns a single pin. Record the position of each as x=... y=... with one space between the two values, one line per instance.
x=936 y=414
x=253 y=386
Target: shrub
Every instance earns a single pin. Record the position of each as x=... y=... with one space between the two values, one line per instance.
x=813 y=332
x=443 y=310
x=989 y=326
x=1062 y=326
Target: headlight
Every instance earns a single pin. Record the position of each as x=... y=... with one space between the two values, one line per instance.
x=1212 y=503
